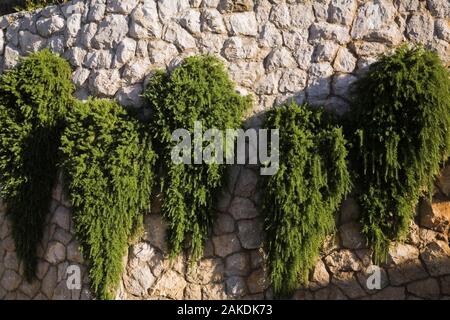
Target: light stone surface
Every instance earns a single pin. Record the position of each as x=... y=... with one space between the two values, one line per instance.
x=275 y=50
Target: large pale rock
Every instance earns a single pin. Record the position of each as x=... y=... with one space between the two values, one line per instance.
x=235 y=5
x=342 y=86
x=212 y=21
x=131 y=96
x=139 y=280
x=96 y=12
x=319 y=277
x=439 y=8
x=49 y=26
x=56 y=252
x=319 y=80
x=76 y=56
x=270 y=36
x=88 y=32
x=193 y=292
x=442 y=28
x=375 y=22
x=170 y=285
x=214 y=291
x=400 y=253
x=295 y=39
x=279 y=58
x=73 y=27
x=245 y=73
x=161 y=52
x=342 y=11
x=80 y=76
x=325 y=51
x=280 y=16
x=250 y=233
x=302 y=14
x=31 y=42
x=364 y=48
x=10 y=57
x=190 y=20
x=343 y=261
x=121 y=6
x=177 y=35
x=436 y=257
x=111 y=31
x=205 y=271
x=268 y=84
x=420 y=28
x=145 y=22
x=169 y=9
x=243 y=23
x=136 y=70
x=105 y=82
x=435 y=215
x=236 y=48
x=226 y=244
x=125 y=52
x=293 y=81
x=345 y=61
x=325 y=31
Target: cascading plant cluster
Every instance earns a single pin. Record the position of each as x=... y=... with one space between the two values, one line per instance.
x=399 y=128
x=198 y=90
x=301 y=198
x=34 y=100
x=401 y=120
x=108 y=164
x=106 y=157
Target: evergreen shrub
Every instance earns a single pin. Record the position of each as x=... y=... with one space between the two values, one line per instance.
x=302 y=197
x=401 y=117
x=34 y=99
x=108 y=169
x=198 y=90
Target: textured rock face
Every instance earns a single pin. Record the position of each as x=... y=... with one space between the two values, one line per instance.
x=275 y=50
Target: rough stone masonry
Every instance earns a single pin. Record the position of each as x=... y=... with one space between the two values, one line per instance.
x=274 y=50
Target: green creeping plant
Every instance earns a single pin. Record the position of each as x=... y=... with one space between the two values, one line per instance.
x=401 y=125
x=302 y=197
x=108 y=168
x=198 y=90
x=34 y=100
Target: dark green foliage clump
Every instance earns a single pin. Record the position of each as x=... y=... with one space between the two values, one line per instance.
x=402 y=119
x=198 y=90
x=34 y=99
x=301 y=198
x=108 y=169
x=9 y=6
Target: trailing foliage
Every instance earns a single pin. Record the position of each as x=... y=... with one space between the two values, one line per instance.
x=402 y=119
x=108 y=169
x=34 y=98
x=301 y=198
x=198 y=90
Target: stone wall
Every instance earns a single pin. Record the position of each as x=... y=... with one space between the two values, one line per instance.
x=275 y=50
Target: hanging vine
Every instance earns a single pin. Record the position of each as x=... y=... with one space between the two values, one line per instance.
x=301 y=198
x=401 y=117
